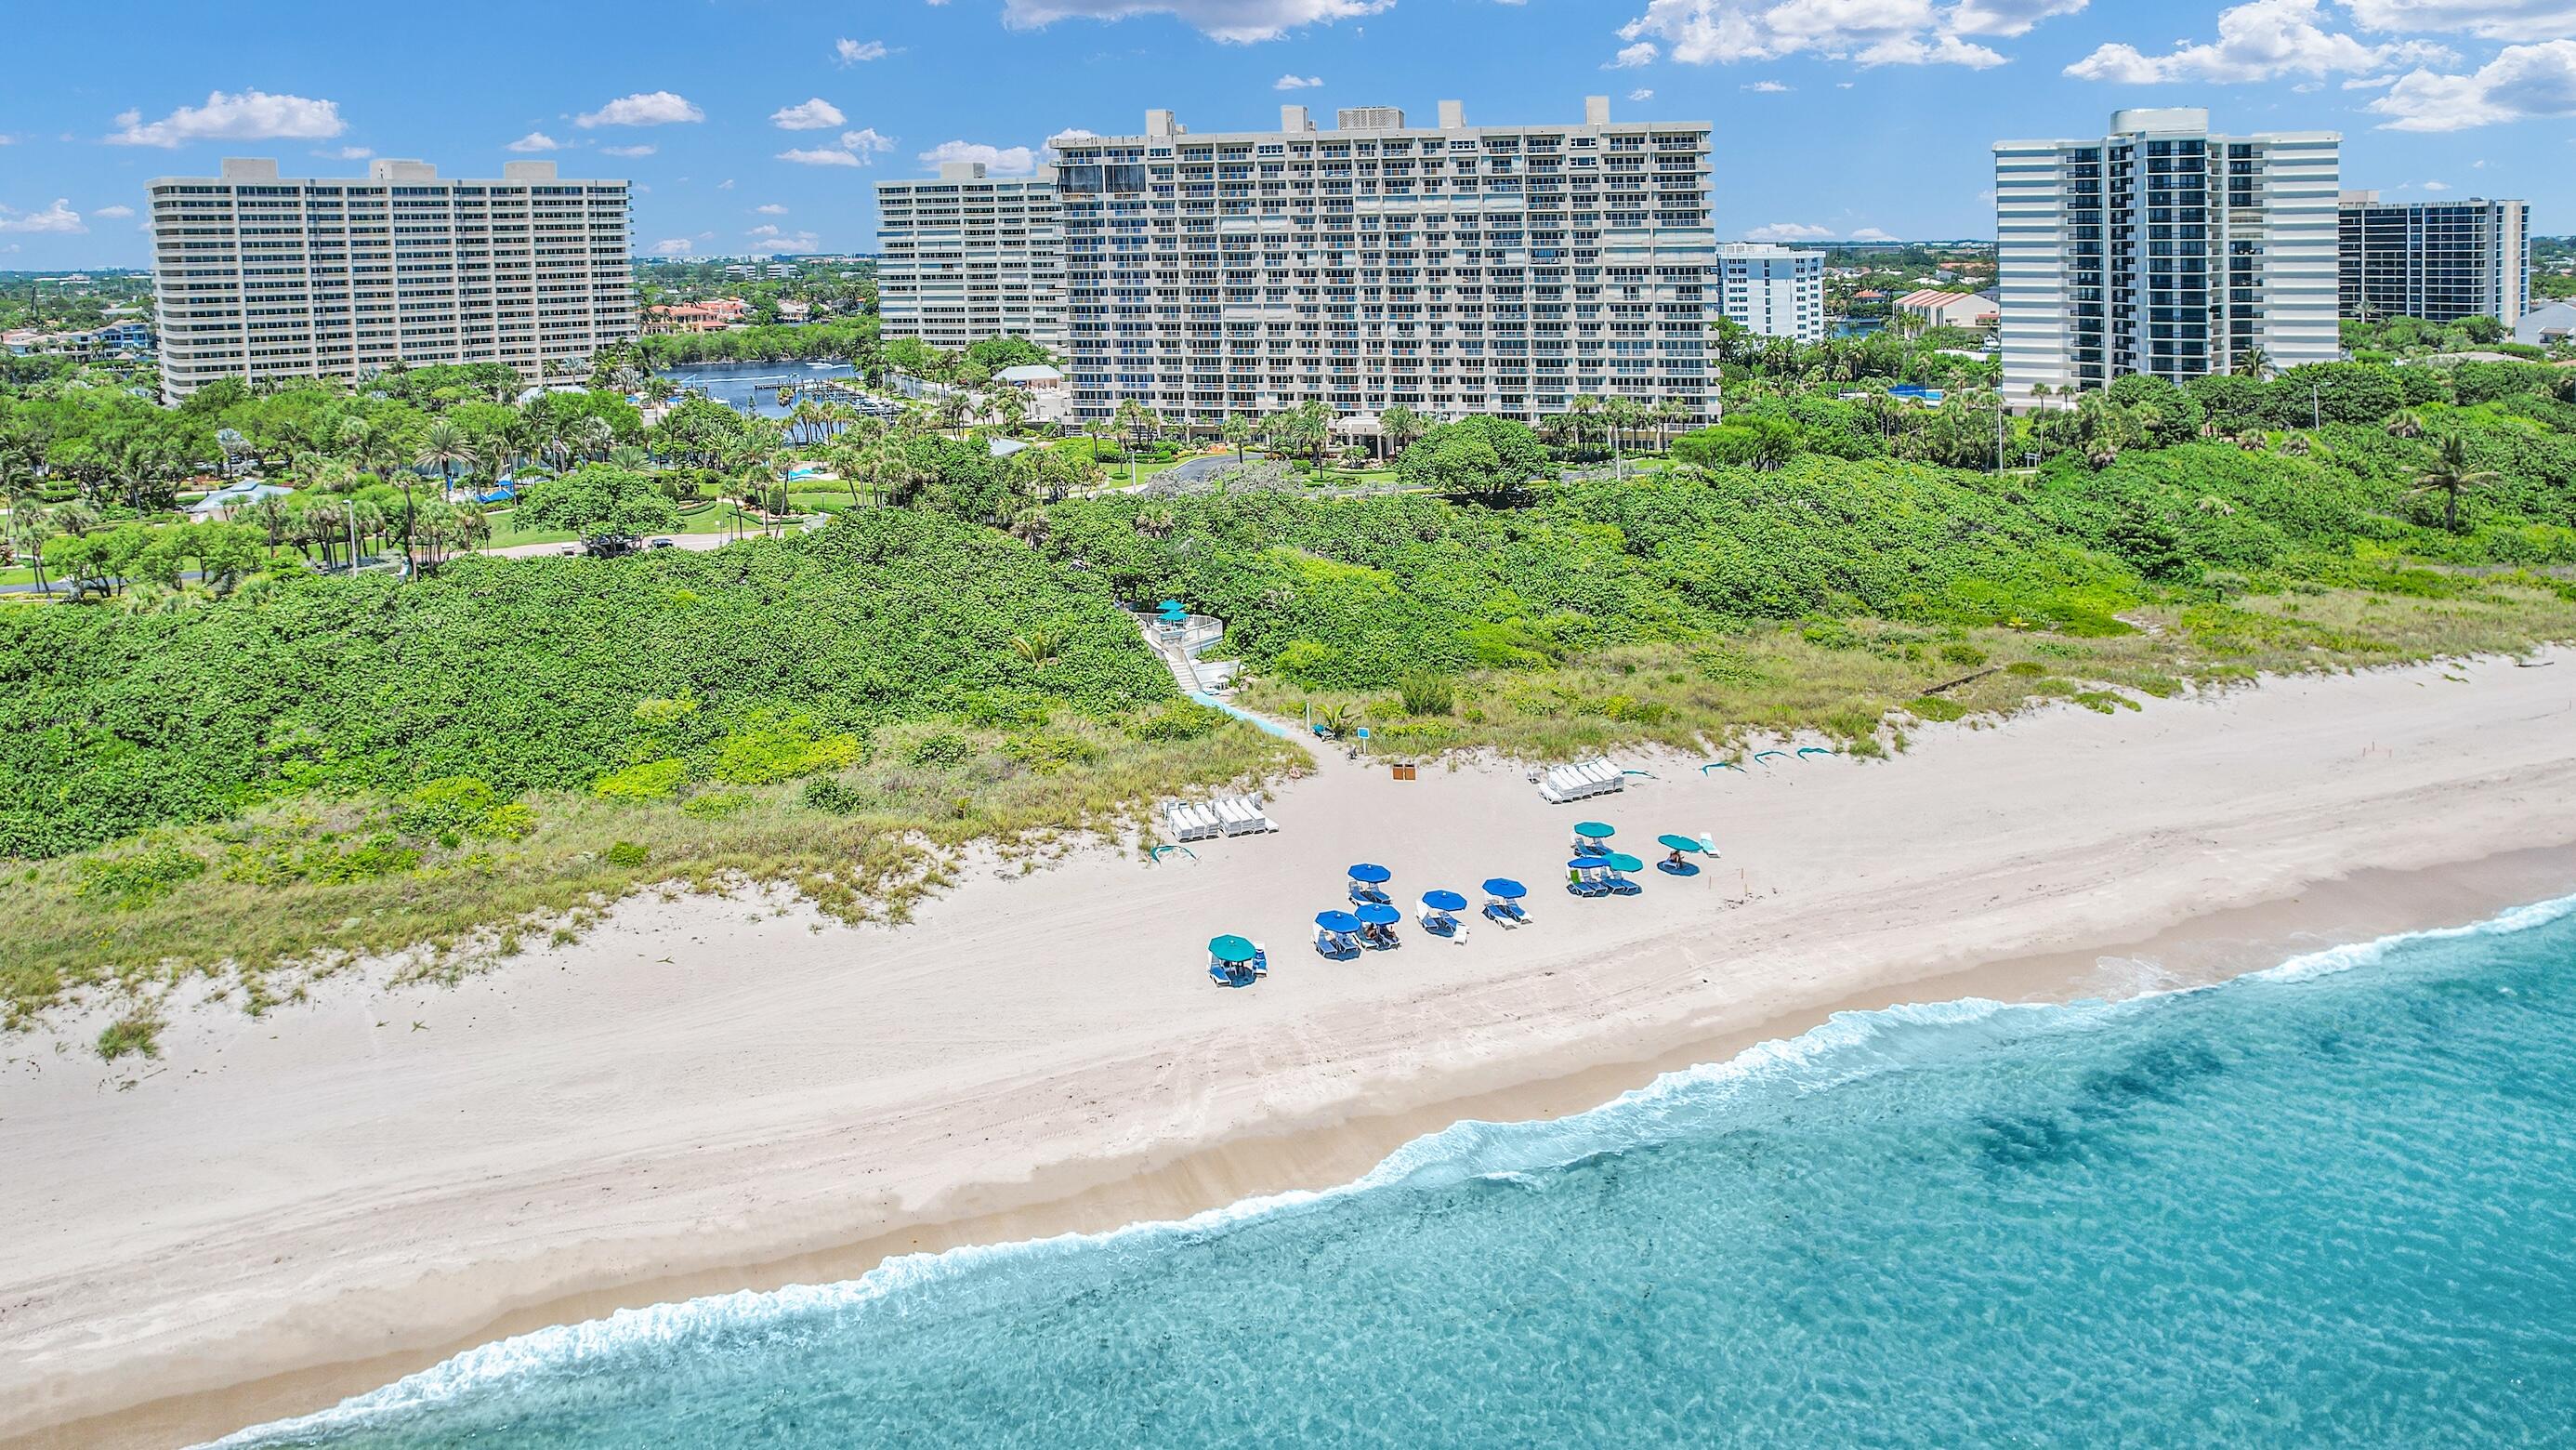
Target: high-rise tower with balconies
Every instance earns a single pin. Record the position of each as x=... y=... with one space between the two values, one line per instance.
x=2164 y=249
x=257 y=276
x=1449 y=269
x=967 y=255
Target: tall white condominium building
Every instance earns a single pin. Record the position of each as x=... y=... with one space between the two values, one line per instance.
x=2163 y=249
x=1774 y=291
x=259 y=276
x=2438 y=260
x=1449 y=269
x=969 y=256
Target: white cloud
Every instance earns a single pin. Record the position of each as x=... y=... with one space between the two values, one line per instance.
x=251 y=115
x=1873 y=234
x=58 y=218
x=2437 y=186
x=644 y=108
x=672 y=247
x=867 y=142
x=771 y=239
x=346 y=153
x=1632 y=56
x=535 y=141
x=821 y=156
x=814 y=115
x=770 y=208
x=114 y=211
x=625 y=150
x=2486 y=19
x=2257 y=41
x=1788 y=232
x=1240 y=22
x=2007 y=18
x=1768 y=88
x=1001 y=160
x=2523 y=81
x=1867 y=32
x=1295 y=82
x=1642 y=93
x=850 y=52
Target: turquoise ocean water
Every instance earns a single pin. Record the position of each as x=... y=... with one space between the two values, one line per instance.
x=2333 y=1204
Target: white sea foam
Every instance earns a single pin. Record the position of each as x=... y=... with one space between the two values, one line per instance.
x=1846 y=1047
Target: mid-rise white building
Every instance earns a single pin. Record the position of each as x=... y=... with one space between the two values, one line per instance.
x=1774 y=291
x=968 y=256
x=2161 y=248
x=260 y=276
x=2438 y=260
x=1449 y=269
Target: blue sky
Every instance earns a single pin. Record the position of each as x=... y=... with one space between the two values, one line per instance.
x=757 y=125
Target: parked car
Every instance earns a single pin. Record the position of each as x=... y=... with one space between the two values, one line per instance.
x=609 y=546
x=663 y=544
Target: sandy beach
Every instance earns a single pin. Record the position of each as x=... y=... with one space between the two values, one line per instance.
x=710 y=1095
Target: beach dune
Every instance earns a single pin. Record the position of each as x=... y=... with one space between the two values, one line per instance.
x=711 y=1094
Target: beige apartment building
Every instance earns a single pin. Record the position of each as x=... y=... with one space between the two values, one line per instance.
x=967 y=255
x=260 y=276
x=1451 y=269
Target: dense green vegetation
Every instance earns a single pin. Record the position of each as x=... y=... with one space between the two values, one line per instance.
x=536 y=674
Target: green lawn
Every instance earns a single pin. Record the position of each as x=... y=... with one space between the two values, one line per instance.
x=705 y=519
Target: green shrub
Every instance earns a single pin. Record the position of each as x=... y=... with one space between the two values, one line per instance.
x=138 y=877
x=1183 y=720
x=652 y=780
x=1425 y=693
x=1936 y=710
x=1047 y=753
x=134 y=1033
x=940 y=750
x=449 y=804
x=1829 y=634
x=780 y=745
x=1966 y=656
x=627 y=854
x=714 y=805
x=379 y=855
x=830 y=794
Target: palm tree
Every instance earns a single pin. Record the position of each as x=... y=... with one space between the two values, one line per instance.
x=2451 y=476
x=1576 y=410
x=1238 y=433
x=1132 y=417
x=1398 y=427
x=443 y=447
x=2254 y=363
x=2407 y=423
x=1667 y=413
x=1621 y=413
x=29 y=526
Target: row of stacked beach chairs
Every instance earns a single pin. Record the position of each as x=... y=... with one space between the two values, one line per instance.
x=1239 y=815
x=1584 y=778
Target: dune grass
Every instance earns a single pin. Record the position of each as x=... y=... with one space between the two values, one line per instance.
x=1863 y=683
x=140 y=917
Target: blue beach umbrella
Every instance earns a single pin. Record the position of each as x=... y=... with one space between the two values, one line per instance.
x=1683 y=844
x=1444 y=901
x=1595 y=831
x=1587 y=863
x=1504 y=888
x=1169 y=605
x=1337 y=921
x=1369 y=874
x=1619 y=861
x=1231 y=949
x=1374 y=914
